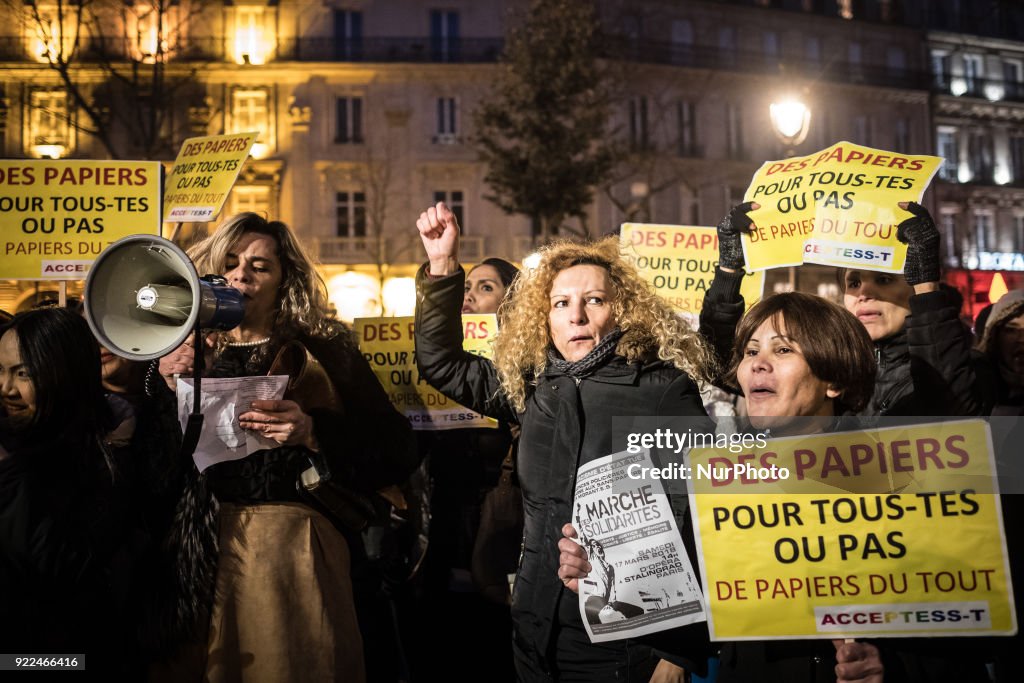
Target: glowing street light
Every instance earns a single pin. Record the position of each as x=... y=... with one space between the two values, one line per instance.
x=791 y=120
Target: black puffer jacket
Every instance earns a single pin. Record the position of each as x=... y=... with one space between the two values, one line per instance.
x=564 y=425
x=926 y=368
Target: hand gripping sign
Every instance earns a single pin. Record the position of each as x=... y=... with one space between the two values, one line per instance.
x=883 y=532
x=679 y=261
x=834 y=207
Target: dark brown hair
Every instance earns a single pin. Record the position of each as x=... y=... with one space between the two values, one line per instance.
x=834 y=343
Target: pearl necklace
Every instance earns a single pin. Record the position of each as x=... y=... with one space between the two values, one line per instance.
x=249 y=343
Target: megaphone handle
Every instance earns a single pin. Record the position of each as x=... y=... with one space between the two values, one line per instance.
x=194 y=426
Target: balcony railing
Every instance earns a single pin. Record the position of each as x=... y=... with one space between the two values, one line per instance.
x=992 y=89
x=752 y=61
x=407 y=49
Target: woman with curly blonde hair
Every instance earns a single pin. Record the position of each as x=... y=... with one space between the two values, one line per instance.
x=583 y=340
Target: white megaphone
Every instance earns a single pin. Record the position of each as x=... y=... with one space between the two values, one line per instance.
x=144 y=297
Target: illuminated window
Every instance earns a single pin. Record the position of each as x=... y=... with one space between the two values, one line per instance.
x=455 y=200
x=47 y=38
x=250 y=38
x=49 y=132
x=250 y=111
x=972 y=74
x=351 y=213
x=255 y=198
x=1017 y=158
x=148 y=28
x=941 y=66
x=985 y=237
x=946 y=146
x=981 y=155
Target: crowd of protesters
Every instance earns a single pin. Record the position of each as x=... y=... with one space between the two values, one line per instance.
x=114 y=544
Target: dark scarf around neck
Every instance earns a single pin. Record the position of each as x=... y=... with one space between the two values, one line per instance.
x=585 y=366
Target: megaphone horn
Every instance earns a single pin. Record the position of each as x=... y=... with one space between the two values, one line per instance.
x=143 y=297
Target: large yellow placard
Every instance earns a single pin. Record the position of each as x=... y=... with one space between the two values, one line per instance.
x=56 y=216
x=388 y=345
x=835 y=207
x=679 y=261
x=203 y=174
x=890 y=532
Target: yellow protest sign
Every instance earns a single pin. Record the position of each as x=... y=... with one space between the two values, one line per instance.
x=203 y=174
x=388 y=345
x=56 y=216
x=679 y=261
x=841 y=539
x=834 y=207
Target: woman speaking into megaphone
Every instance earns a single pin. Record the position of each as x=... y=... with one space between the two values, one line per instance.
x=335 y=416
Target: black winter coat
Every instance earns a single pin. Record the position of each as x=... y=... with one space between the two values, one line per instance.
x=926 y=368
x=564 y=426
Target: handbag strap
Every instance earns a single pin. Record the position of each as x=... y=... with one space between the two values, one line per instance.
x=508 y=465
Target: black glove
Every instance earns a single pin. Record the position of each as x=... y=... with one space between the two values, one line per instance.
x=730 y=248
x=922 y=239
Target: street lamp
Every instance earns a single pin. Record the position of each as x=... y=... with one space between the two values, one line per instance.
x=791 y=120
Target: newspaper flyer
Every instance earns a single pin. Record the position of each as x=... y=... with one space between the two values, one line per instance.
x=223 y=400
x=642 y=580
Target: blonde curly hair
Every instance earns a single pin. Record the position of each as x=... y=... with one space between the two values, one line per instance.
x=650 y=327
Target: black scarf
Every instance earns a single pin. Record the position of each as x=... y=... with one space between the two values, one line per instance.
x=597 y=357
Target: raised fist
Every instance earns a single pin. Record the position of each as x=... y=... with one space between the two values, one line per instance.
x=439 y=231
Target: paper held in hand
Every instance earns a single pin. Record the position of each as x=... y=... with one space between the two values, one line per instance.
x=642 y=580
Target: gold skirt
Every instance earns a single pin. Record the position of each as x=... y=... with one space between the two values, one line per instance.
x=283 y=609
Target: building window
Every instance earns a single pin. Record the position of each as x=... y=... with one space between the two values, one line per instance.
x=1018 y=233
x=682 y=41
x=686 y=115
x=972 y=75
x=770 y=41
x=682 y=32
x=985 y=238
x=49 y=132
x=1013 y=87
x=946 y=146
x=444 y=35
x=1017 y=159
x=447 y=121
x=727 y=44
x=812 y=49
x=250 y=38
x=947 y=224
x=895 y=60
x=455 y=200
x=979 y=151
x=349 y=121
x=734 y=131
x=351 y=214
x=254 y=198
x=941 y=69
x=901 y=135
x=862 y=130
x=348 y=35
x=638 y=132
x=250 y=112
